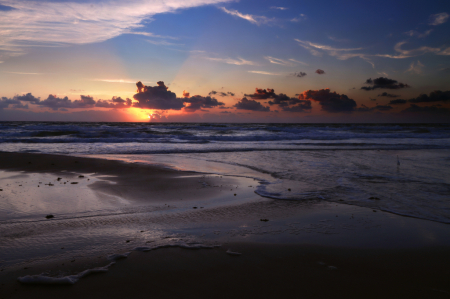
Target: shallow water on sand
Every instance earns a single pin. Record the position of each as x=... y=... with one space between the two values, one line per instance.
x=418 y=187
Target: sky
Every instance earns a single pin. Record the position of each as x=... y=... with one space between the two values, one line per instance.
x=225 y=61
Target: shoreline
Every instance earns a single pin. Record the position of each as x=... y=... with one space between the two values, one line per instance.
x=366 y=247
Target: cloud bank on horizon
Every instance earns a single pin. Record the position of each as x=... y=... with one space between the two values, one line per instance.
x=212 y=53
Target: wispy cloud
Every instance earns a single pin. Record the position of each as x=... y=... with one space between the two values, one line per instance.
x=22 y=73
x=265 y=73
x=239 y=61
x=289 y=62
x=439 y=18
x=117 y=80
x=415 y=67
x=340 y=53
x=149 y=34
x=301 y=17
x=163 y=43
x=296 y=61
x=410 y=53
x=31 y=23
x=257 y=20
x=414 y=33
x=279 y=7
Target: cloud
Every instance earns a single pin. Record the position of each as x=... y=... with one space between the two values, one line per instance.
x=301 y=17
x=279 y=7
x=364 y=108
x=265 y=73
x=296 y=61
x=411 y=53
x=320 y=72
x=304 y=106
x=299 y=74
x=55 y=103
x=198 y=102
x=397 y=102
x=438 y=19
x=326 y=48
x=426 y=109
x=339 y=53
x=415 y=68
x=149 y=34
x=163 y=43
x=239 y=61
x=116 y=81
x=59 y=23
x=27 y=98
x=115 y=102
x=262 y=94
x=221 y=93
x=6 y=102
x=291 y=104
x=383 y=83
x=156 y=97
x=22 y=73
x=388 y=95
x=435 y=96
x=329 y=101
x=257 y=20
x=279 y=61
x=252 y=105
x=413 y=33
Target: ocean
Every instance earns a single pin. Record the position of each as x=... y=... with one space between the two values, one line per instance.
x=398 y=168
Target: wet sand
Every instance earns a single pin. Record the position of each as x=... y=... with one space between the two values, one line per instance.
x=304 y=250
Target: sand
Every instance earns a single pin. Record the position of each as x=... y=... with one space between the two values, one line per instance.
x=305 y=250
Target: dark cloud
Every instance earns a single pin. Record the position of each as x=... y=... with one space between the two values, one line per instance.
x=55 y=103
x=198 y=102
x=426 y=109
x=115 y=102
x=397 y=102
x=221 y=93
x=6 y=102
x=383 y=83
x=262 y=94
x=320 y=72
x=364 y=108
x=299 y=74
x=330 y=101
x=373 y=100
x=383 y=107
x=302 y=106
x=291 y=104
x=389 y=95
x=27 y=98
x=435 y=96
x=20 y=106
x=252 y=105
x=156 y=97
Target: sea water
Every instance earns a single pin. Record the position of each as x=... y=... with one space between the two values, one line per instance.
x=399 y=168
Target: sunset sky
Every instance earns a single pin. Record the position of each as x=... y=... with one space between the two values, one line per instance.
x=202 y=60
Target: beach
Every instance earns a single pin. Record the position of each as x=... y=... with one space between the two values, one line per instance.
x=196 y=234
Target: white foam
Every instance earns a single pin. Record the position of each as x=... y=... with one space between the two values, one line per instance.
x=70 y=279
x=179 y=245
x=118 y=256
x=233 y=252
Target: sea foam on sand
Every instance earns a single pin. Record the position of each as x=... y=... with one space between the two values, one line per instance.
x=72 y=279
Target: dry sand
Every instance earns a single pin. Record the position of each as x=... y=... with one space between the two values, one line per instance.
x=305 y=250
